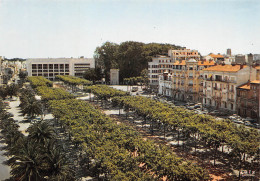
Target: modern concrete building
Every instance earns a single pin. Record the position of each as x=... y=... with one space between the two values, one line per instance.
x=158 y=65
x=220 y=83
x=50 y=67
x=248 y=96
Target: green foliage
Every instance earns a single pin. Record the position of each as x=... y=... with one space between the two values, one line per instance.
x=118 y=150
x=39 y=81
x=36 y=157
x=48 y=93
x=68 y=79
x=130 y=57
x=93 y=74
x=214 y=132
x=104 y=91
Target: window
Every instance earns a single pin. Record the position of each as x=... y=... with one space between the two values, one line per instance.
x=45 y=66
x=39 y=66
x=56 y=66
x=50 y=66
x=34 y=66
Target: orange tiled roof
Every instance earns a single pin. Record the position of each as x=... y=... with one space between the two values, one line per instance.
x=257 y=67
x=183 y=62
x=225 y=68
x=255 y=81
x=216 y=56
x=245 y=86
x=206 y=63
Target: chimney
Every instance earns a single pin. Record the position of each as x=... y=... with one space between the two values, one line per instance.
x=241 y=66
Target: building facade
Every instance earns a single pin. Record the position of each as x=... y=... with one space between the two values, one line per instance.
x=185 y=82
x=158 y=65
x=162 y=63
x=220 y=83
x=50 y=67
x=248 y=96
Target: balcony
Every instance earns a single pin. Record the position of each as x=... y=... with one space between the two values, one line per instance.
x=209 y=88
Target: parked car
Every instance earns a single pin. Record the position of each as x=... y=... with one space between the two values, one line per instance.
x=215 y=112
x=197 y=106
x=256 y=125
x=247 y=123
x=190 y=107
x=134 y=89
x=238 y=121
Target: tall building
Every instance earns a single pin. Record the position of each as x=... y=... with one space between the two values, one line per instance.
x=50 y=67
x=185 y=82
x=164 y=63
x=220 y=83
x=229 y=52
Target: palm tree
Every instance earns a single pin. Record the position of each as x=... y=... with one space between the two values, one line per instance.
x=27 y=165
x=41 y=132
x=32 y=108
x=58 y=167
x=12 y=90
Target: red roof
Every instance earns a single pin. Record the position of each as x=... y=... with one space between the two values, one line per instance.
x=216 y=56
x=245 y=86
x=206 y=63
x=225 y=68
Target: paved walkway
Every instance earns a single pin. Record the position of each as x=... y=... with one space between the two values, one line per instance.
x=15 y=110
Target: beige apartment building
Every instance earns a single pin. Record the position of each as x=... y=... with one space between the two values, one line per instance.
x=164 y=63
x=220 y=83
x=185 y=82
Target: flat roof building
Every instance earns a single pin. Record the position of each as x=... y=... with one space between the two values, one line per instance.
x=50 y=67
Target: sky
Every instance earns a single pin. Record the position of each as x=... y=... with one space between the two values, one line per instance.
x=74 y=28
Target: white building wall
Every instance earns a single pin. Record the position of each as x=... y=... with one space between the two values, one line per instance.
x=60 y=61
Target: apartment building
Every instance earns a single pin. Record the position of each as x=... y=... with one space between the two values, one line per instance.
x=220 y=83
x=248 y=98
x=257 y=72
x=158 y=65
x=164 y=63
x=215 y=57
x=185 y=82
x=183 y=54
x=50 y=67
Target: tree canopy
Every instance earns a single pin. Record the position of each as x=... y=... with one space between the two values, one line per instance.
x=130 y=57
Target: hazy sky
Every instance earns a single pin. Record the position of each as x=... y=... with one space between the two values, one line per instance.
x=73 y=28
